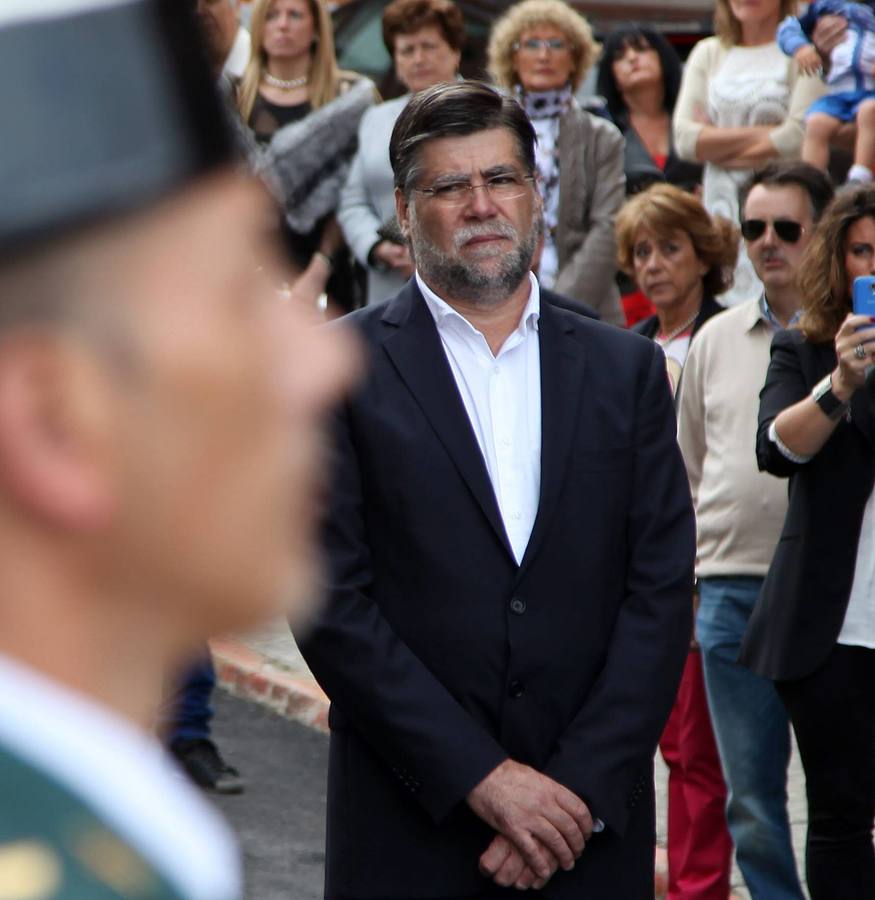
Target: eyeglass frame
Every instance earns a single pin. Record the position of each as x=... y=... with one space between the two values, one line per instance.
x=432 y=191
x=533 y=45
x=778 y=225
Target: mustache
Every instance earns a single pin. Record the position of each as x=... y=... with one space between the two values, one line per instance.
x=469 y=232
x=770 y=254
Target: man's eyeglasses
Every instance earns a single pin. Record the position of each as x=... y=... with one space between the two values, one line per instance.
x=533 y=45
x=508 y=186
x=787 y=230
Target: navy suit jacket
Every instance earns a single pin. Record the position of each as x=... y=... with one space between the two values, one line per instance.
x=442 y=657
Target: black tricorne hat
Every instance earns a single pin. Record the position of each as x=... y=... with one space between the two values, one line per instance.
x=107 y=106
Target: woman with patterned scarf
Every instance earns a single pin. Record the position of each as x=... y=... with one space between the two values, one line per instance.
x=541 y=50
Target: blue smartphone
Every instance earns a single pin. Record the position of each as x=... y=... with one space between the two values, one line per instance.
x=864 y=295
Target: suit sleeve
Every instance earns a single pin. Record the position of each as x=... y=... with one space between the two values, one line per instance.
x=606 y=753
x=589 y=273
x=785 y=385
x=435 y=748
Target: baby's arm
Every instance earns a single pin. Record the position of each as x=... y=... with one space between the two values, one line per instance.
x=808 y=60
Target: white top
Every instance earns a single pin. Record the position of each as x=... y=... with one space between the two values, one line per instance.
x=502 y=396
x=858 y=629
x=125 y=776
x=736 y=87
x=238 y=58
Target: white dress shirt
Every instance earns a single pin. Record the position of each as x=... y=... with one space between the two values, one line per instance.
x=125 y=776
x=502 y=396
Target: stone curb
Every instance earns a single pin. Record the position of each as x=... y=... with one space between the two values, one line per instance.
x=242 y=671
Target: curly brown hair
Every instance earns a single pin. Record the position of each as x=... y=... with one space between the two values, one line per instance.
x=409 y=16
x=823 y=278
x=728 y=28
x=530 y=14
x=664 y=209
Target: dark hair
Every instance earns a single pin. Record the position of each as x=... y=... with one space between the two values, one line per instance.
x=455 y=109
x=790 y=174
x=823 y=277
x=641 y=38
x=409 y=16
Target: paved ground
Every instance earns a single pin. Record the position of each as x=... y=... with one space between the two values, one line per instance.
x=280 y=819
x=266 y=667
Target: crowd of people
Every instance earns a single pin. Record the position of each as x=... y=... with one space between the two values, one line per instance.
x=552 y=544
x=642 y=194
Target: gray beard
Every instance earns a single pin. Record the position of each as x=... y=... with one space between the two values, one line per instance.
x=452 y=277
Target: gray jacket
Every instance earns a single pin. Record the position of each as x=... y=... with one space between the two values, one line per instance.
x=592 y=187
x=367 y=200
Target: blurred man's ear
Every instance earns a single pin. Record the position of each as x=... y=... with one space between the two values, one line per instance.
x=56 y=433
x=402 y=212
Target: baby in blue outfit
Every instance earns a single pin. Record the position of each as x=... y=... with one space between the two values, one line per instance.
x=851 y=81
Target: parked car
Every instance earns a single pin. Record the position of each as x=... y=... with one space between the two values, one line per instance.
x=359 y=37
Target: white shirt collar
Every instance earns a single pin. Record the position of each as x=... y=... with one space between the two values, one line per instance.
x=442 y=312
x=124 y=775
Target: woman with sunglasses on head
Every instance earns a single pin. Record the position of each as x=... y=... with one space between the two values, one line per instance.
x=541 y=50
x=639 y=77
x=682 y=258
x=741 y=104
x=813 y=630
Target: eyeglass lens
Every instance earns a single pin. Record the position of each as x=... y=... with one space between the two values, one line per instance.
x=787 y=230
x=533 y=45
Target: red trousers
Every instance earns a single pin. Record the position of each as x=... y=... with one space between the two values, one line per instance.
x=699 y=845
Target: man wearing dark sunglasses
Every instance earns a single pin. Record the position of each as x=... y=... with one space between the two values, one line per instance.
x=740 y=512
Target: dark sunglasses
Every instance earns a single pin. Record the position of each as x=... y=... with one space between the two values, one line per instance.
x=787 y=230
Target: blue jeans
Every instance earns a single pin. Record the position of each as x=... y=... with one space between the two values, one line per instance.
x=191 y=711
x=753 y=738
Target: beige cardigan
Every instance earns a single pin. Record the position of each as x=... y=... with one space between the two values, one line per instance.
x=704 y=62
x=592 y=186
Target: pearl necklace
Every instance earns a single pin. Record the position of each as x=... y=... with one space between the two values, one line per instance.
x=663 y=341
x=284 y=85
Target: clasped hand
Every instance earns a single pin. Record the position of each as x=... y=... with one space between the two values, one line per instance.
x=540 y=825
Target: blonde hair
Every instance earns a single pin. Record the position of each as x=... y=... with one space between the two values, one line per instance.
x=663 y=209
x=530 y=14
x=323 y=74
x=728 y=28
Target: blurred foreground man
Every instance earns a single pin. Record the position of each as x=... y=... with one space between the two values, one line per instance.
x=511 y=546
x=158 y=434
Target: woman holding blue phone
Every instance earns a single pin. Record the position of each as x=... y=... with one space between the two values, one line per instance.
x=813 y=630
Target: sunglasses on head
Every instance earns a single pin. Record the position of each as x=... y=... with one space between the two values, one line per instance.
x=787 y=230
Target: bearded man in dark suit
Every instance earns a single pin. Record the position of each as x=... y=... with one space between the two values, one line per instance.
x=510 y=542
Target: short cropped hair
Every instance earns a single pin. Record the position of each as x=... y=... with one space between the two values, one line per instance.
x=641 y=38
x=823 y=278
x=808 y=178
x=409 y=16
x=664 y=209
x=530 y=14
x=455 y=109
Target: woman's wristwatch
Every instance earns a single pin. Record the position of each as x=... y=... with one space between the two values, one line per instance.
x=829 y=404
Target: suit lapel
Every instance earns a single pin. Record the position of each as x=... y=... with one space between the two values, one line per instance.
x=562 y=362
x=415 y=349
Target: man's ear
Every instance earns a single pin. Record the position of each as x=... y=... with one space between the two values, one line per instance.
x=55 y=431
x=402 y=212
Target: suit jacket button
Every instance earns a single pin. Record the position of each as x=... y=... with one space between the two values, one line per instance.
x=518 y=606
x=516 y=689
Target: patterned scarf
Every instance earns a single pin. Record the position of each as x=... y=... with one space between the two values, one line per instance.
x=545 y=109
